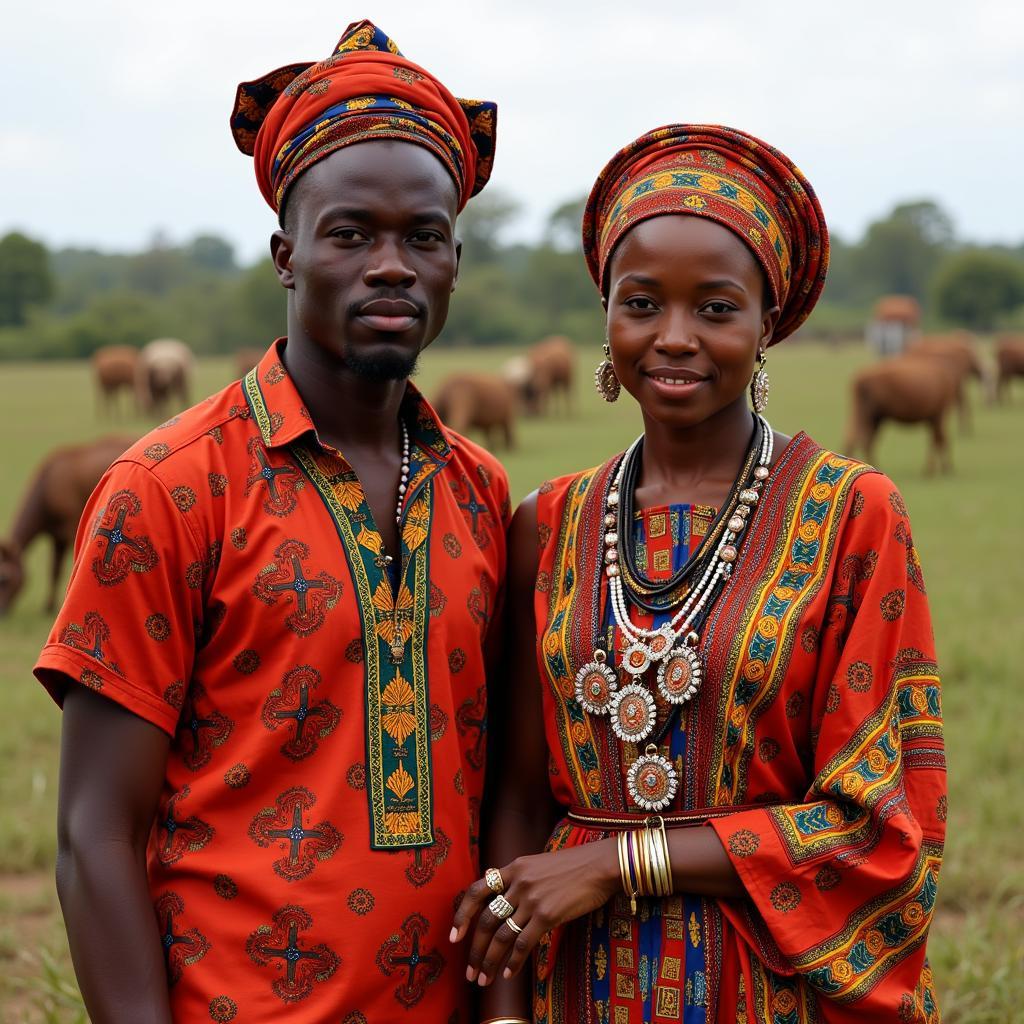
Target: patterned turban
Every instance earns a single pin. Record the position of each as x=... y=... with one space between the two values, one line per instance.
x=291 y=118
x=731 y=177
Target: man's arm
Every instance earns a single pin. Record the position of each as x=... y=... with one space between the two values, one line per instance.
x=111 y=773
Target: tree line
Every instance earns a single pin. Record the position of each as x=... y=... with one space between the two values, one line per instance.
x=68 y=302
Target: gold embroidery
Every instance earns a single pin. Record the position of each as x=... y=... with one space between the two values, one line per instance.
x=625 y=986
x=667 y=1003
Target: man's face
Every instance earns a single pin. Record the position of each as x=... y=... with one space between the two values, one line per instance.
x=369 y=252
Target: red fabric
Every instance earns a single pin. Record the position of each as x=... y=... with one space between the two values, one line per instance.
x=366 y=89
x=821 y=704
x=730 y=177
x=183 y=608
x=361 y=74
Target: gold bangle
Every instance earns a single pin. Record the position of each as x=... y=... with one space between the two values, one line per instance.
x=654 y=855
x=634 y=861
x=657 y=857
x=670 y=885
x=646 y=885
x=627 y=878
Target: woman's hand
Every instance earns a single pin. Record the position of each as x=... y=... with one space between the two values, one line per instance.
x=547 y=889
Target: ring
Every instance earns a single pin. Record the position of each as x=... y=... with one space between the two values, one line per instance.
x=515 y=928
x=492 y=876
x=501 y=908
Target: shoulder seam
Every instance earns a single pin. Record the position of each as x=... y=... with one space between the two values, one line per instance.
x=190 y=529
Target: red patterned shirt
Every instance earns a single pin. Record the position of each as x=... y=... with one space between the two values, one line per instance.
x=321 y=803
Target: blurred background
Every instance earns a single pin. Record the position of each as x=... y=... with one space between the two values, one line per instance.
x=127 y=216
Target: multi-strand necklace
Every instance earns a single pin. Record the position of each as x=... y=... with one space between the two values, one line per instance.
x=671 y=648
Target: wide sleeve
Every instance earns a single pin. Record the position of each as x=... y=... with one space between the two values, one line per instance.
x=842 y=886
x=133 y=608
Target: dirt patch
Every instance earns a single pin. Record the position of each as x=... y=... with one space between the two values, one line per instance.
x=29 y=922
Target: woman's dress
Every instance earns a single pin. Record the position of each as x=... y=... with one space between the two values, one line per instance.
x=813 y=748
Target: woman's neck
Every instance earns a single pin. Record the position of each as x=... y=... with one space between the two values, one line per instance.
x=694 y=465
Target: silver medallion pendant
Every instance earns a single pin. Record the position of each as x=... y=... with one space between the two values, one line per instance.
x=652 y=780
x=633 y=713
x=635 y=659
x=596 y=684
x=680 y=674
x=661 y=643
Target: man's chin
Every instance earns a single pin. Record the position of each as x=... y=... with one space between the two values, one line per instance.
x=377 y=364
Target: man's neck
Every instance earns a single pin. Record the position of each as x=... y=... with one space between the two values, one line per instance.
x=348 y=411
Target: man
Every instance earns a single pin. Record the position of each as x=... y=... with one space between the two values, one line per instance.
x=272 y=653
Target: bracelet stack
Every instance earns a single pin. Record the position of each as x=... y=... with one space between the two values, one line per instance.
x=644 y=862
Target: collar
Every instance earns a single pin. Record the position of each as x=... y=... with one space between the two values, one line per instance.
x=281 y=415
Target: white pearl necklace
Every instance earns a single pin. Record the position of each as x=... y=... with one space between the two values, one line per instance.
x=719 y=568
x=404 y=482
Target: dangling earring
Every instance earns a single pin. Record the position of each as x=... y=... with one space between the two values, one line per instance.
x=759 y=384
x=607 y=384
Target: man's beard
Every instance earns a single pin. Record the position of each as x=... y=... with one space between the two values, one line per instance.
x=382 y=366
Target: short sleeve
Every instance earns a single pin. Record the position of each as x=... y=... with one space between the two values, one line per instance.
x=133 y=607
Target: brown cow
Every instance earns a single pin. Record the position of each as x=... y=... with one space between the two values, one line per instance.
x=907 y=389
x=163 y=375
x=544 y=372
x=482 y=401
x=114 y=369
x=1009 y=362
x=959 y=351
x=53 y=505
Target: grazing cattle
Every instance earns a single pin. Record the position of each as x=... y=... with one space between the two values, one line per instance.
x=1009 y=362
x=246 y=359
x=906 y=389
x=114 y=368
x=163 y=376
x=478 y=401
x=52 y=506
x=543 y=373
x=959 y=351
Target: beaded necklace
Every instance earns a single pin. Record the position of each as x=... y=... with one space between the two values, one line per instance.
x=652 y=779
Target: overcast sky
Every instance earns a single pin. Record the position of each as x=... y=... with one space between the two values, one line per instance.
x=115 y=124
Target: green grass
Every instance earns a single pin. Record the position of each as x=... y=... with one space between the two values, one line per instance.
x=966 y=527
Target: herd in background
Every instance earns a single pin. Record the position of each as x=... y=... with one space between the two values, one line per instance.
x=918 y=379
x=157 y=376
x=535 y=383
x=923 y=379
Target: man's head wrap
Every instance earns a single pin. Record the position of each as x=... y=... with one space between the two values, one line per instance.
x=291 y=118
x=731 y=177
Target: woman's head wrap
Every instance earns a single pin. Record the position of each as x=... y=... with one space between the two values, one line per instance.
x=291 y=118
x=731 y=177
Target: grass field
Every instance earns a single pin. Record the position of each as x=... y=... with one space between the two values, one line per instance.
x=966 y=526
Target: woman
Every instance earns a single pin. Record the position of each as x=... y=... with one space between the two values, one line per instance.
x=724 y=679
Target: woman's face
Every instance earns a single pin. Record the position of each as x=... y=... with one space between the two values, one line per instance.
x=686 y=317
